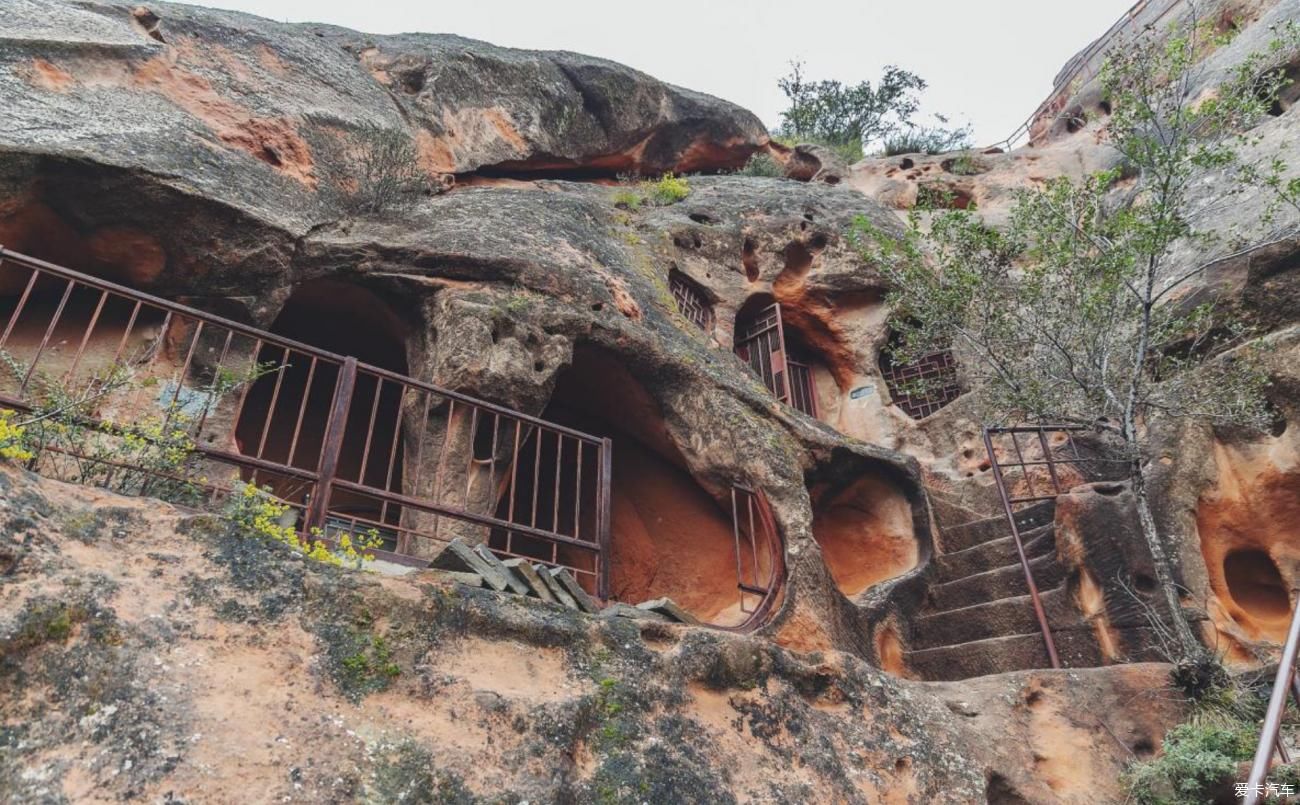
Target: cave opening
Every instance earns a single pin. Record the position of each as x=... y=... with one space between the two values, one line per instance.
x=669 y=537
x=865 y=531
x=284 y=413
x=1256 y=586
x=778 y=354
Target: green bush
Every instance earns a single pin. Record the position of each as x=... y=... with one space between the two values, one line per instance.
x=627 y=199
x=928 y=140
x=762 y=164
x=667 y=190
x=661 y=192
x=1197 y=761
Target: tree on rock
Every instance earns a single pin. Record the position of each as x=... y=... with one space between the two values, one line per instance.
x=852 y=118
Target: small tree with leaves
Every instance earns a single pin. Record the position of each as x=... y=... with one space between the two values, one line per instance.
x=1077 y=311
x=848 y=118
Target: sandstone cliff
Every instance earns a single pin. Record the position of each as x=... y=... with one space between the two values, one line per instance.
x=149 y=652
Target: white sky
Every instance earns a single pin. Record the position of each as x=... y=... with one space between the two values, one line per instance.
x=988 y=62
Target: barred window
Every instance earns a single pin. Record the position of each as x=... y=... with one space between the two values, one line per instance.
x=923 y=386
x=691 y=300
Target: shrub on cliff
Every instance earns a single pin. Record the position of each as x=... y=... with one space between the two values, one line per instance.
x=371 y=170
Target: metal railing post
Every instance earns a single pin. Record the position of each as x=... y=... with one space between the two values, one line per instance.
x=1020 y=551
x=331 y=446
x=1268 y=736
x=604 y=515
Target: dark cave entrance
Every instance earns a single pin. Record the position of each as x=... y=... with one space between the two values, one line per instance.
x=284 y=413
x=669 y=537
x=1256 y=586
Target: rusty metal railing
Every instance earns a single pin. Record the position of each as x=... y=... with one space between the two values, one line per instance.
x=347 y=445
x=760 y=555
x=1270 y=736
x=1048 y=461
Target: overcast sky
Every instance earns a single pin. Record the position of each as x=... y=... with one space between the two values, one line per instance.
x=988 y=62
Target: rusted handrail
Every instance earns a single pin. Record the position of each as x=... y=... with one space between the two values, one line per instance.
x=386 y=482
x=1009 y=501
x=1269 y=736
x=1039 y=612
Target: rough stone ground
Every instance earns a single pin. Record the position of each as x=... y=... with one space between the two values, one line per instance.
x=146 y=653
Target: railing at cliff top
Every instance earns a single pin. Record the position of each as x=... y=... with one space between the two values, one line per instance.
x=1087 y=62
x=347 y=445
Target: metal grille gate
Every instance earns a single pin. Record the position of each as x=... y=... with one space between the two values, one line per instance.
x=761 y=343
x=760 y=555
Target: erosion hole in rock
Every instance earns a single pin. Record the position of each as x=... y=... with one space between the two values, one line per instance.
x=345 y=319
x=999 y=791
x=940 y=196
x=749 y=260
x=1256 y=586
x=865 y=531
x=120 y=253
x=1144 y=584
x=777 y=353
x=1250 y=515
x=1288 y=92
x=907 y=163
x=669 y=537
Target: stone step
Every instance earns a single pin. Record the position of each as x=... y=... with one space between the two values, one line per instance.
x=993 y=554
x=1005 y=616
x=961 y=537
x=1007 y=581
x=1076 y=647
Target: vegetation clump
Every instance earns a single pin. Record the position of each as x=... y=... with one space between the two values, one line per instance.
x=662 y=192
x=764 y=165
x=852 y=119
x=372 y=169
x=256 y=513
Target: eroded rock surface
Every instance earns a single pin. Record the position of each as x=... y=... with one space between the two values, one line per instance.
x=145 y=651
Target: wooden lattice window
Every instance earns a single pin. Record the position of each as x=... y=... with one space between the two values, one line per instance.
x=923 y=386
x=691 y=300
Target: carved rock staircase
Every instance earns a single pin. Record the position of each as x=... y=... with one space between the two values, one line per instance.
x=979 y=618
